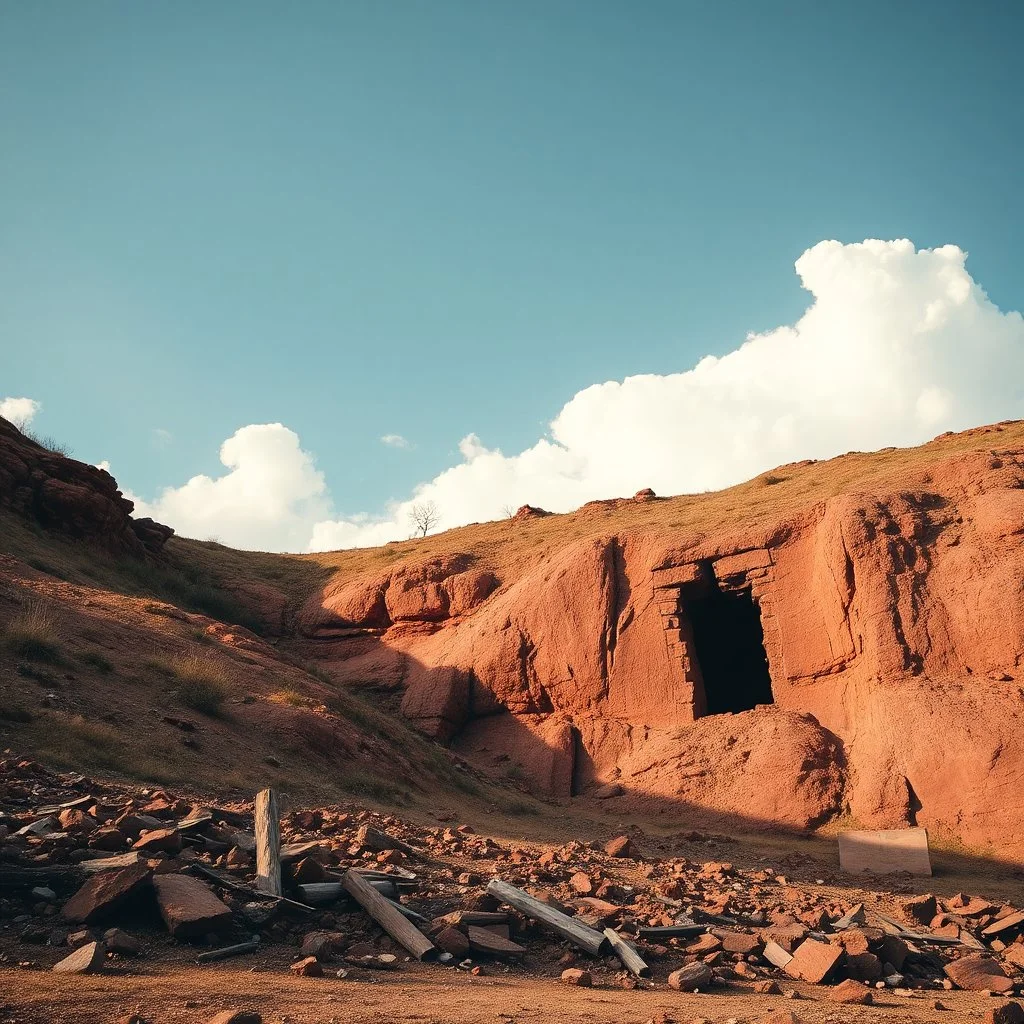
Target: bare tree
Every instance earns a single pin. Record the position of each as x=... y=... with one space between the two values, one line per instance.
x=424 y=516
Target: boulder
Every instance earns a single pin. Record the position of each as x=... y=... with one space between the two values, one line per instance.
x=105 y=893
x=620 y=846
x=1005 y=1013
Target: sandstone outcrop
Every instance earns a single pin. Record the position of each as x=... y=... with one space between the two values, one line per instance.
x=888 y=620
x=71 y=497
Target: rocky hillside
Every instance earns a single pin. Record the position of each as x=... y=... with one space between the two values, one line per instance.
x=834 y=641
x=830 y=642
x=121 y=655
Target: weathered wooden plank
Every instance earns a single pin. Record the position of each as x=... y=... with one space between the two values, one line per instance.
x=673 y=931
x=388 y=917
x=630 y=958
x=268 y=843
x=883 y=851
x=319 y=893
x=586 y=938
x=481 y=940
x=228 y=951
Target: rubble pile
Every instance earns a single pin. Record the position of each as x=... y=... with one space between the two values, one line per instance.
x=105 y=873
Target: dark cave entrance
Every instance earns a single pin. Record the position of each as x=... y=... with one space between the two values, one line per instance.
x=729 y=644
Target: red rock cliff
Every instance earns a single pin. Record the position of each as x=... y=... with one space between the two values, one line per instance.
x=71 y=497
x=891 y=620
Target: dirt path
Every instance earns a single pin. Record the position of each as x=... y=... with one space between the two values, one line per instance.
x=184 y=994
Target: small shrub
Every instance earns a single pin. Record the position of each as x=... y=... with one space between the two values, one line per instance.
x=165 y=668
x=514 y=772
x=51 y=444
x=93 y=659
x=203 y=685
x=35 y=634
x=772 y=478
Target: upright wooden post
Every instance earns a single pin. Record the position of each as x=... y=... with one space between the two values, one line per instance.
x=268 y=843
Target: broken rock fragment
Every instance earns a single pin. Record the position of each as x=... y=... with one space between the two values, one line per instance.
x=691 y=977
x=105 y=893
x=620 y=846
x=87 y=959
x=574 y=976
x=814 y=961
x=978 y=973
x=308 y=967
x=850 y=992
x=189 y=908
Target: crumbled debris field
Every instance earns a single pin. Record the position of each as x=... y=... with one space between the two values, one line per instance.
x=102 y=877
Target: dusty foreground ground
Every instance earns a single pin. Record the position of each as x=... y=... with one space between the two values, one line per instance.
x=180 y=993
x=766 y=886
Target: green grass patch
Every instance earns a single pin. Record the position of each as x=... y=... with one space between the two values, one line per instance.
x=516 y=806
x=71 y=741
x=161 y=666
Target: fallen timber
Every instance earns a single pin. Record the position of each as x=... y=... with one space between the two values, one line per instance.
x=589 y=940
x=389 y=917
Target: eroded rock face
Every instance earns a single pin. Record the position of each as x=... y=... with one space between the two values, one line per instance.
x=893 y=629
x=429 y=591
x=71 y=497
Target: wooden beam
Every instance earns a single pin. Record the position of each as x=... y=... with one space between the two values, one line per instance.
x=630 y=958
x=593 y=942
x=268 y=843
x=673 y=931
x=388 y=917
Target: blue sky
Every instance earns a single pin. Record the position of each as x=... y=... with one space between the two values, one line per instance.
x=445 y=218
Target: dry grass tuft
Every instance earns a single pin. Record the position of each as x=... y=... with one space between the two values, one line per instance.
x=203 y=684
x=35 y=634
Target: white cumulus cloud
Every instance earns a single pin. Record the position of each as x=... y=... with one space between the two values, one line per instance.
x=268 y=499
x=19 y=411
x=395 y=441
x=897 y=345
